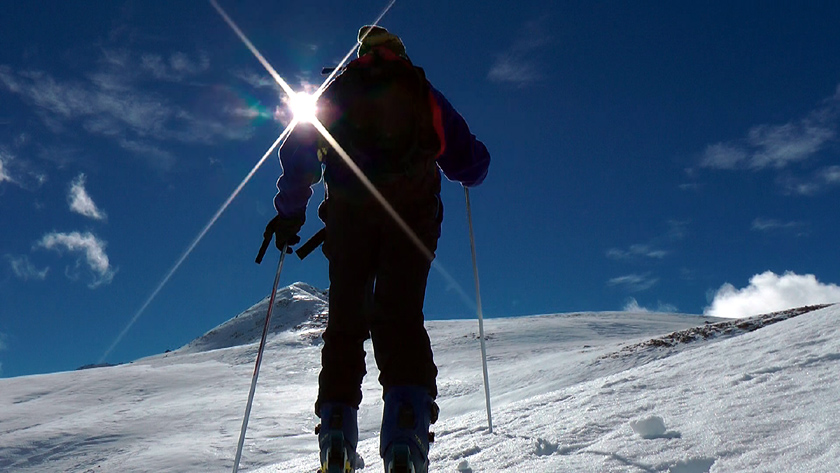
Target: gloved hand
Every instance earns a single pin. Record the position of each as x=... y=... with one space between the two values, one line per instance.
x=284 y=230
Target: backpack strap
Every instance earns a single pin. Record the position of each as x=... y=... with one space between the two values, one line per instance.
x=437 y=123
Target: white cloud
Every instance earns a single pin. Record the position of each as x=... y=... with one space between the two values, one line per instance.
x=634 y=282
x=769 y=292
x=91 y=247
x=633 y=306
x=518 y=64
x=778 y=146
x=80 y=202
x=24 y=269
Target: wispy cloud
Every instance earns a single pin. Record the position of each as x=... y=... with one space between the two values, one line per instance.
x=122 y=100
x=179 y=66
x=159 y=158
x=4 y=173
x=24 y=269
x=677 y=230
x=690 y=186
x=80 y=202
x=634 y=282
x=820 y=181
x=653 y=249
x=17 y=172
x=635 y=252
x=256 y=80
x=90 y=247
x=769 y=292
x=725 y=156
x=778 y=146
x=633 y=306
x=519 y=64
x=770 y=224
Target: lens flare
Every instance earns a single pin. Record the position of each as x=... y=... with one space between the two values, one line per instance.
x=303 y=107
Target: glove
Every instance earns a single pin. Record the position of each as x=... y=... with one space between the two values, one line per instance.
x=284 y=230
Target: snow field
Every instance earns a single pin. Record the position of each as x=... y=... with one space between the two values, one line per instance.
x=764 y=401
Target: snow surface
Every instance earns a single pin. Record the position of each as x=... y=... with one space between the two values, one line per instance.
x=589 y=392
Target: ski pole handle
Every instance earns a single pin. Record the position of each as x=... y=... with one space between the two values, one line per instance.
x=314 y=242
x=263 y=248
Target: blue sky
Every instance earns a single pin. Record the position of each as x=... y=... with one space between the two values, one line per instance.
x=646 y=156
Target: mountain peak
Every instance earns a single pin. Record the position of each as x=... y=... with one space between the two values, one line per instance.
x=297 y=306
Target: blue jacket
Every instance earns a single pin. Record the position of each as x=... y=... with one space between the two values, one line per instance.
x=463 y=158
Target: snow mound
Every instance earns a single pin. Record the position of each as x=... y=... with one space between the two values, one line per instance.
x=296 y=307
x=652 y=427
x=649 y=428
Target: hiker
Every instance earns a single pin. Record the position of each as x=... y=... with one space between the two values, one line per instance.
x=401 y=133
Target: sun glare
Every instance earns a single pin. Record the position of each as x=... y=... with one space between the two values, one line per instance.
x=303 y=107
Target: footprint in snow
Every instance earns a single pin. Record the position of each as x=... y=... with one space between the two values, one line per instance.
x=464 y=467
x=696 y=465
x=545 y=448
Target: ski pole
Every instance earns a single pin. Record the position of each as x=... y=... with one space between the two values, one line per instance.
x=480 y=315
x=259 y=360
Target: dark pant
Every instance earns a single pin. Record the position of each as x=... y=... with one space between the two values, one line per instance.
x=377 y=289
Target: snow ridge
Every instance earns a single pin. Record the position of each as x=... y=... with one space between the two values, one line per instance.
x=718 y=330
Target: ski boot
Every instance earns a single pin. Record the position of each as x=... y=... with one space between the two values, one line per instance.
x=404 y=439
x=338 y=436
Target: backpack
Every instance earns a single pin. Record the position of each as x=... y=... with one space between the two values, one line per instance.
x=381 y=111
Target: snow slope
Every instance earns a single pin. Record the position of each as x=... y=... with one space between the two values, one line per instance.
x=571 y=392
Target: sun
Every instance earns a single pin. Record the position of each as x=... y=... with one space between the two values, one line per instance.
x=303 y=107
